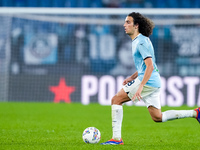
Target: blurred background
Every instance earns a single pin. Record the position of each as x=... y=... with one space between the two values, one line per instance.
x=78 y=56
x=103 y=3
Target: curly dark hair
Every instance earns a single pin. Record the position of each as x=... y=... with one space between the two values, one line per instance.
x=145 y=24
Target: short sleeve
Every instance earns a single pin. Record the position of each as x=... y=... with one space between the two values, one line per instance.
x=144 y=51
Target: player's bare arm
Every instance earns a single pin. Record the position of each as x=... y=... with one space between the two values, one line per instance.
x=149 y=69
x=147 y=75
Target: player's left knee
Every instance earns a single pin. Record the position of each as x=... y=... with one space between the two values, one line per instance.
x=115 y=101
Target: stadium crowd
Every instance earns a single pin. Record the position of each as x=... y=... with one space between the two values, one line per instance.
x=103 y=3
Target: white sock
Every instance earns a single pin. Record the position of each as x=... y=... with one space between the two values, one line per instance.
x=177 y=114
x=117 y=117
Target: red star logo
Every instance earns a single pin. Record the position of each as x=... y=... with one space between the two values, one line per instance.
x=62 y=91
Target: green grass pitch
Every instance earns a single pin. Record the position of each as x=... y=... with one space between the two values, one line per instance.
x=50 y=126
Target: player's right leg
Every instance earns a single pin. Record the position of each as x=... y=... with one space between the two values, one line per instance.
x=197 y=110
x=168 y=115
x=152 y=102
x=178 y=114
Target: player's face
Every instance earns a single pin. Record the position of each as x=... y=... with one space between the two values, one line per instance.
x=129 y=26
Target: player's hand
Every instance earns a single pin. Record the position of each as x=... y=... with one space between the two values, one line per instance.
x=138 y=94
x=127 y=80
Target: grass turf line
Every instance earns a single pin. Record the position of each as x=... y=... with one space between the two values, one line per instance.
x=60 y=126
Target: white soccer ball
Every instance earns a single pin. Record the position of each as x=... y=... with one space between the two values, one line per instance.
x=91 y=135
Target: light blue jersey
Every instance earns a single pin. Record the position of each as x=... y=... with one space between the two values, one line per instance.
x=142 y=48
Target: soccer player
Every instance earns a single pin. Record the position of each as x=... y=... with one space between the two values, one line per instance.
x=145 y=83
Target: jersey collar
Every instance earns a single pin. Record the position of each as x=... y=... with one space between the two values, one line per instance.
x=136 y=37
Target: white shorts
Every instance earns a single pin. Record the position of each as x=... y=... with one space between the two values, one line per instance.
x=150 y=95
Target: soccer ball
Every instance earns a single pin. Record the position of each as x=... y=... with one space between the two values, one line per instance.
x=91 y=135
